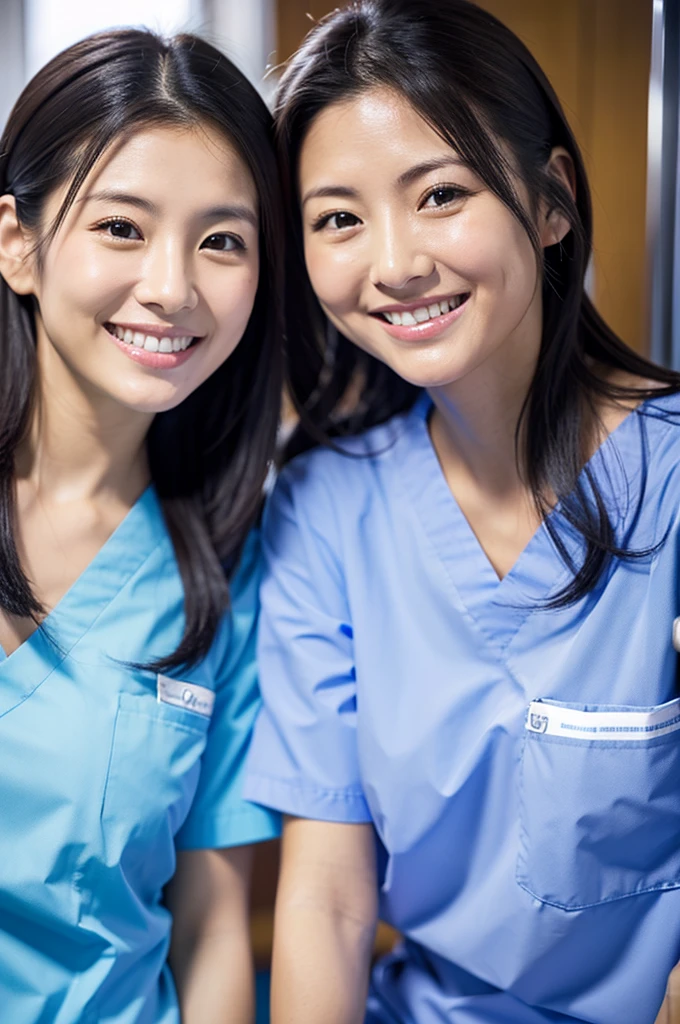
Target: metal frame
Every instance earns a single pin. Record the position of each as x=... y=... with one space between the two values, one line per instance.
x=663 y=185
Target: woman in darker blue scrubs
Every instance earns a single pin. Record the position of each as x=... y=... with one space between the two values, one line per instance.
x=139 y=397
x=470 y=703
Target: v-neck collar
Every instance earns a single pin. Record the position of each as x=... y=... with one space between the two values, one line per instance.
x=500 y=606
x=121 y=555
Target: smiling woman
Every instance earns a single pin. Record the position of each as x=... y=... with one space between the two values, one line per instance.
x=140 y=341
x=408 y=224
x=466 y=656
x=181 y=246
x=155 y=345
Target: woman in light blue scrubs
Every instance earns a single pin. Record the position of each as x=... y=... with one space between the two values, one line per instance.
x=470 y=699
x=140 y=328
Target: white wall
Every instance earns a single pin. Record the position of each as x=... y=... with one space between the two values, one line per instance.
x=52 y=25
x=33 y=31
x=246 y=31
x=12 y=69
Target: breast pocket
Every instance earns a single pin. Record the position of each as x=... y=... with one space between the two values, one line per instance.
x=600 y=802
x=151 y=780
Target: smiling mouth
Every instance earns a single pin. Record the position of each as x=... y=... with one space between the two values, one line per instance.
x=421 y=315
x=150 y=342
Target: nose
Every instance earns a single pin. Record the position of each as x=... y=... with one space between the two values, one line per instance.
x=167 y=280
x=398 y=257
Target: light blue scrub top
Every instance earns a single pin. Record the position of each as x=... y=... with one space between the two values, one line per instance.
x=529 y=852
x=105 y=770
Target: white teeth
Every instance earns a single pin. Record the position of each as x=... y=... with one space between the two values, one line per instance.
x=424 y=313
x=150 y=342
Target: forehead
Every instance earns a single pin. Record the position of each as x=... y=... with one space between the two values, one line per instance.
x=167 y=160
x=378 y=128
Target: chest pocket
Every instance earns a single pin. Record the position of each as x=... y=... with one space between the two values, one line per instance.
x=600 y=803
x=151 y=780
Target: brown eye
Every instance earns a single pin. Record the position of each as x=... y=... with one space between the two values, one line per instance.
x=442 y=196
x=220 y=242
x=121 y=229
x=343 y=220
x=337 y=221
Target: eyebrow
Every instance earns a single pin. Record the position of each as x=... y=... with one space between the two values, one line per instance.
x=420 y=170
x=330 y=192
x=407 y=178
x=235 y=211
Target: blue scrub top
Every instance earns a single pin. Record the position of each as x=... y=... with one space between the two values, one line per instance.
x=521 y=766
x=105 y=770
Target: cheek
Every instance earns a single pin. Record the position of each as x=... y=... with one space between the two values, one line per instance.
x=81 y=281
x=502 y=257
x=232 y=299
x=335 y=274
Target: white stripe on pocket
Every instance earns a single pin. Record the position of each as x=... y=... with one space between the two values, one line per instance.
x=189 y=696
x=554 y=720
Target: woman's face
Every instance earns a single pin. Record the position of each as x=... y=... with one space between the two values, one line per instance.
x=149 y=283
x=410 y=255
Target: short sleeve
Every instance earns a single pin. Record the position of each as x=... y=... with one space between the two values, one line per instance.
x=303 y=758
x=219 y=814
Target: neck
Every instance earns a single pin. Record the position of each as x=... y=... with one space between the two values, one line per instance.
x=474 y=425
x=81 y=445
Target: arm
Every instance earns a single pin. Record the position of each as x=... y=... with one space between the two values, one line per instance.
x=326 y=912
x=210 y=953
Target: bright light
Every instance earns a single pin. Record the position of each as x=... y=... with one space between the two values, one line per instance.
x=52 y=25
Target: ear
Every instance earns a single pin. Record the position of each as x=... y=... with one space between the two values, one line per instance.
x=554 y=225
x=16 y=262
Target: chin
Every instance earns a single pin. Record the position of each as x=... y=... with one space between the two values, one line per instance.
x=153 y=401
x=435 y=376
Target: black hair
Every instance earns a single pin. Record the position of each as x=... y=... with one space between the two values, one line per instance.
x=476 y=84
x=209 y=456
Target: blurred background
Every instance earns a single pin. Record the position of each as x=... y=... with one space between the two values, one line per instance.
x=615 y=66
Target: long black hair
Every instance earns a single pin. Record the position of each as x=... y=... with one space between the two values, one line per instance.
x=479 y=88
x=209 y=456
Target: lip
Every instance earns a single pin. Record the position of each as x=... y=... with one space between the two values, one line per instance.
x=155 y=360
x=419 y=332
x=156 y=330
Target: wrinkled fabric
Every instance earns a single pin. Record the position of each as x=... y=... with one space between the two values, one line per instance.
x=100 y=782
x=529 y=856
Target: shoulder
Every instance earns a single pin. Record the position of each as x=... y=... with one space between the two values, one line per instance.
x=322 y=497
x=352 y=464
x=660 y=418
x=659 y=457
x=665 y=408
x=643 y=447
